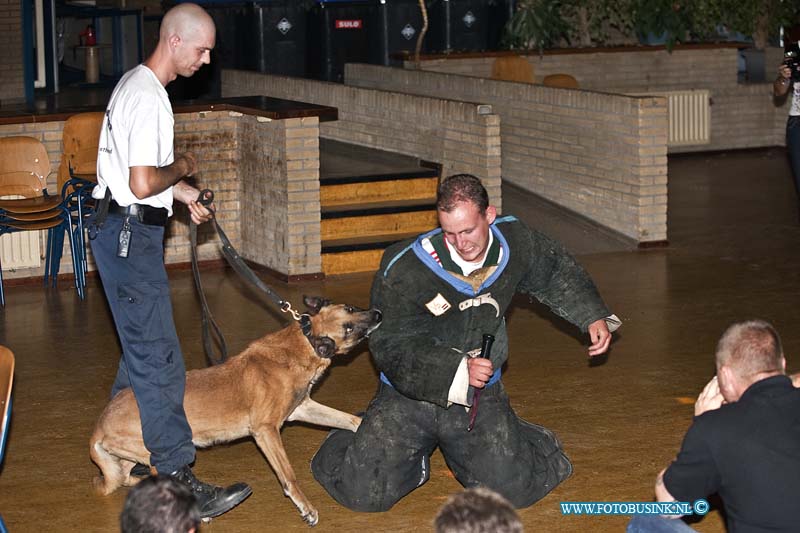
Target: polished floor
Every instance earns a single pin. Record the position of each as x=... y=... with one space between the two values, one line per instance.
x=733 y=254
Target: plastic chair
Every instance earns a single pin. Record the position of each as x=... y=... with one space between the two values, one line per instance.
x=513 y=68
x=24 y=167
x=6 y=382
x=77 y=175
x=564 y=81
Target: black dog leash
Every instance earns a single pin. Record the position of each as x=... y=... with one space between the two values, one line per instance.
x=210 y=326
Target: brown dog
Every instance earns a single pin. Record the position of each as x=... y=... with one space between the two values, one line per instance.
x=253 y=393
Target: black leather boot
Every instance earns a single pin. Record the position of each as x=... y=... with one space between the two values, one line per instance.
x=212 y=499
x=140 y=470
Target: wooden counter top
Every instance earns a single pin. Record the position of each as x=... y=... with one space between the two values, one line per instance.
x=49 y=110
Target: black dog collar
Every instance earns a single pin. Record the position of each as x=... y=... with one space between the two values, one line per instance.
x=305 y=324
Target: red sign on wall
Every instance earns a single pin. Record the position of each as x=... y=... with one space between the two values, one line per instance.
x=356 y=24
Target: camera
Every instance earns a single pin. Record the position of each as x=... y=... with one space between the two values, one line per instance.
x=791 y=58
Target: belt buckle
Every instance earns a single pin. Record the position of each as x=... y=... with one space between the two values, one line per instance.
x=136 y=211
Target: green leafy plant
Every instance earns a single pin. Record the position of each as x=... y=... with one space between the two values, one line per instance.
x=760 y=19
x=597 y=22
x=706 y=17
x=537 y=24
x=662 y=18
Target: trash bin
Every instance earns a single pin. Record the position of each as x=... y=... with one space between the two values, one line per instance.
x=398 y=23
x=338 y=32
x=457 y=25
x=276 y=37
x=229 y=18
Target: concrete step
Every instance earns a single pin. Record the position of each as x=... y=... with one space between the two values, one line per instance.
x=363 y=224
x=405 y=188
x=360 y=254
x=370 y=199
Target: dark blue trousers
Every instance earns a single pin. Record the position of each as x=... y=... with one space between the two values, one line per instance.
x=657 y=524
x=152 y=364
x=793 y=148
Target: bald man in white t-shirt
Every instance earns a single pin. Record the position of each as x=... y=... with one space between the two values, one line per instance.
x=139 y=178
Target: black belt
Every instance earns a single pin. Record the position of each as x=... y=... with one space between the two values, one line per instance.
x=146 y=214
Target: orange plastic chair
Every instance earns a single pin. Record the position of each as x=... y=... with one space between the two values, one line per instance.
x=77 y=175
x=513 y=68
x=6 y=383
x=564 y=81
x=81 y=137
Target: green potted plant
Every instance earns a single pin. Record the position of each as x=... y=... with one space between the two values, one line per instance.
x=760 y=19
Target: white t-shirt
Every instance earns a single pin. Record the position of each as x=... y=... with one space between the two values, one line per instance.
x=794 y=110
x=138 y=130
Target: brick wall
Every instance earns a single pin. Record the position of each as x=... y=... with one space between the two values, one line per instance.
x=264 y=175
x=462 y=136
x=601 y=155
x=742 y=115
x=12 y=75
x=212 y=137
x=615 y=70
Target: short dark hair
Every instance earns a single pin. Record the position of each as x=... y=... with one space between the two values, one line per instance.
x=461 y=188
x=477 y=510
x=159 y=504
x=749 y=348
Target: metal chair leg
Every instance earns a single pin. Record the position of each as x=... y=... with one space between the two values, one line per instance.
x=2 y=294
x=55 y=250
x=76 y=261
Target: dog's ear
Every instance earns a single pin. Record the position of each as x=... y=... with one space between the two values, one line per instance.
x=324 y=346
x=314 y=304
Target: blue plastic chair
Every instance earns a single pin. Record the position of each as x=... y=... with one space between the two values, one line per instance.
x=6 y=382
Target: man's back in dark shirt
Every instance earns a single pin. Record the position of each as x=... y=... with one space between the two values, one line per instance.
x=749 y=453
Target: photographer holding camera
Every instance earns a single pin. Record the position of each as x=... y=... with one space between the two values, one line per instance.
x=789 y=76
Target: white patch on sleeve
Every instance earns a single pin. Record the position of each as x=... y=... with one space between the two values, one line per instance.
x=438 y=306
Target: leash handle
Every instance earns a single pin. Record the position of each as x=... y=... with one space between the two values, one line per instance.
x=206 y=197
x=212 y=334
x=486 y=351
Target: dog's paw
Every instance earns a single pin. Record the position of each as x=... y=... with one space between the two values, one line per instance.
x=101 y=487
x=355 y=422
x=311 y=517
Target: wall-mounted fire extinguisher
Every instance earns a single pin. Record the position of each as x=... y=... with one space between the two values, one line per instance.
x=88 y=36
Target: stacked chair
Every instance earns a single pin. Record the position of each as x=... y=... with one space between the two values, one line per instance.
x=564 y=81
x=513 y=68
x=77 y=176
x=25 y=204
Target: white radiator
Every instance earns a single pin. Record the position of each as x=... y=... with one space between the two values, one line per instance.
x=688 y=116
x=20 y=250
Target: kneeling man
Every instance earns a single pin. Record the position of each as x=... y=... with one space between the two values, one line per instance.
x=440 y=294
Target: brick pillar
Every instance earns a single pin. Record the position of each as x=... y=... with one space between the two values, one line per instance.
x=279 y=173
